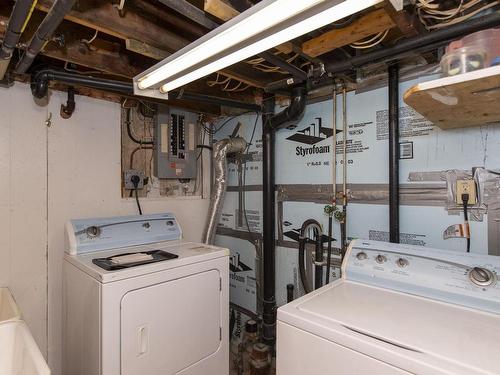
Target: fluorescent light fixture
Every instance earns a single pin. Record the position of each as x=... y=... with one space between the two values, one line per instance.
x=275 y=12
x=265 y=25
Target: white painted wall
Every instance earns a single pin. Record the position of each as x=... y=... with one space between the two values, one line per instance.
x=70 y=170
x=23 y=215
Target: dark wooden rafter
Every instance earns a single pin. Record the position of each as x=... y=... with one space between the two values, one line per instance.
x=106 y=57
x=106 y=19
x=191 y=12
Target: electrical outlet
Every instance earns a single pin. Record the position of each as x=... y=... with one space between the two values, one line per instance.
x=466 y=187
x=127 y=179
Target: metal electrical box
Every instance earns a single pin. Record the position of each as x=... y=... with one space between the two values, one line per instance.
x=175 y=144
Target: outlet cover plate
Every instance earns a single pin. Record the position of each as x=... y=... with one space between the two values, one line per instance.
x=466 y=186
x=127 y=179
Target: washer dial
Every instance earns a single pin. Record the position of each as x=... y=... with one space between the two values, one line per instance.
x=482 y=276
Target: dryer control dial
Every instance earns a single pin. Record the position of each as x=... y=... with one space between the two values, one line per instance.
x=93 y=231
x=482 y=276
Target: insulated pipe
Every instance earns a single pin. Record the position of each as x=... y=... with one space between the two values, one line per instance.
x=426 y=42
x=220 y=151
x=44 y=32
x=270 y=124
x=394 y=153
x=18 y=19
x=40 y=86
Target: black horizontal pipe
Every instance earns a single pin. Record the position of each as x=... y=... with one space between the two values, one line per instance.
x=40 y=85
x=421 y=43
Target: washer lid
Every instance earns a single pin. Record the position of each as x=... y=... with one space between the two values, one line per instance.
x=400 y=325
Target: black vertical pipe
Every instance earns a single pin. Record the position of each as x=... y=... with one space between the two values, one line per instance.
x=270 y=124
x=268 y=224
x=394 y=153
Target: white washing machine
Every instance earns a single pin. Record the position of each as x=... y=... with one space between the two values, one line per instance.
x=397 y=310
x=160 y=309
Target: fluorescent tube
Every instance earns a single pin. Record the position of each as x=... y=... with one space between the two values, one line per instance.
x=264 y=26
x=275 y=12
x=324 y=18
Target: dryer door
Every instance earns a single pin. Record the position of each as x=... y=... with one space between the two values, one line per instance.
x=168 y=327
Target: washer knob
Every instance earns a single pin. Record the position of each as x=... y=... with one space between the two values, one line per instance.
x=93 y=231
x=481 y=276
x=361 y=255
x=380 y=258
x=402 y=262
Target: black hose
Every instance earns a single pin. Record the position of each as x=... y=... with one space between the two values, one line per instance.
x=343 y=234
x=302 y=269
x=302 y=249
x=128 y=122
x=318 y=267
x=465 y=201
x=329 y=250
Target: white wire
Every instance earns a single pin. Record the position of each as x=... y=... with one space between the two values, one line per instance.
x=381 y=37
x=428 y=9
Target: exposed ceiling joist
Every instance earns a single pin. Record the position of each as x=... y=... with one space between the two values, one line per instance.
x=191 y=12
x=220 y=9
x=409 y=25
x=105 y=18
x=367 y=25
x=155 y=40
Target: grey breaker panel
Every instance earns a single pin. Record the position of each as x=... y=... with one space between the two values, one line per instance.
x=175 y=144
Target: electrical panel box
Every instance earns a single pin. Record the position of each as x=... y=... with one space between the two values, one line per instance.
x=175 y=144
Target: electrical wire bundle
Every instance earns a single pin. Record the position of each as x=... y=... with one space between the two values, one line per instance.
x=433 y=16
x=226 y=83
x=259 y=64
x=370 y=42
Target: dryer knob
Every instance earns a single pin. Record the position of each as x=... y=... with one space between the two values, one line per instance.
x=481 y=276
x=93 y=231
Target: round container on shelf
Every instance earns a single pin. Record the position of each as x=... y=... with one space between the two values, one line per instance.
x=463 y=60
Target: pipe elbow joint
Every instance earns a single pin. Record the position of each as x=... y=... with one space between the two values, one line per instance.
x=40 y=84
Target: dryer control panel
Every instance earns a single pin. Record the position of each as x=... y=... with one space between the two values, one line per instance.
x=461 y=278
x=89 y=235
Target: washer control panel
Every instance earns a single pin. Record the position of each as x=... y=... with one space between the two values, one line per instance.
x=89 y=235
x=462 y=278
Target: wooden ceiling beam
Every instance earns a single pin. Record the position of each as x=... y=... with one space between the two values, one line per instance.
x=191 y=12
x=112 y=62
x=367 y=25
x=153 y=40
x=102 y=16
x=409 y=25
x=220 y=9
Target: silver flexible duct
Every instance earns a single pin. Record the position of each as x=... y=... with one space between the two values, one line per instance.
x=220 y=151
